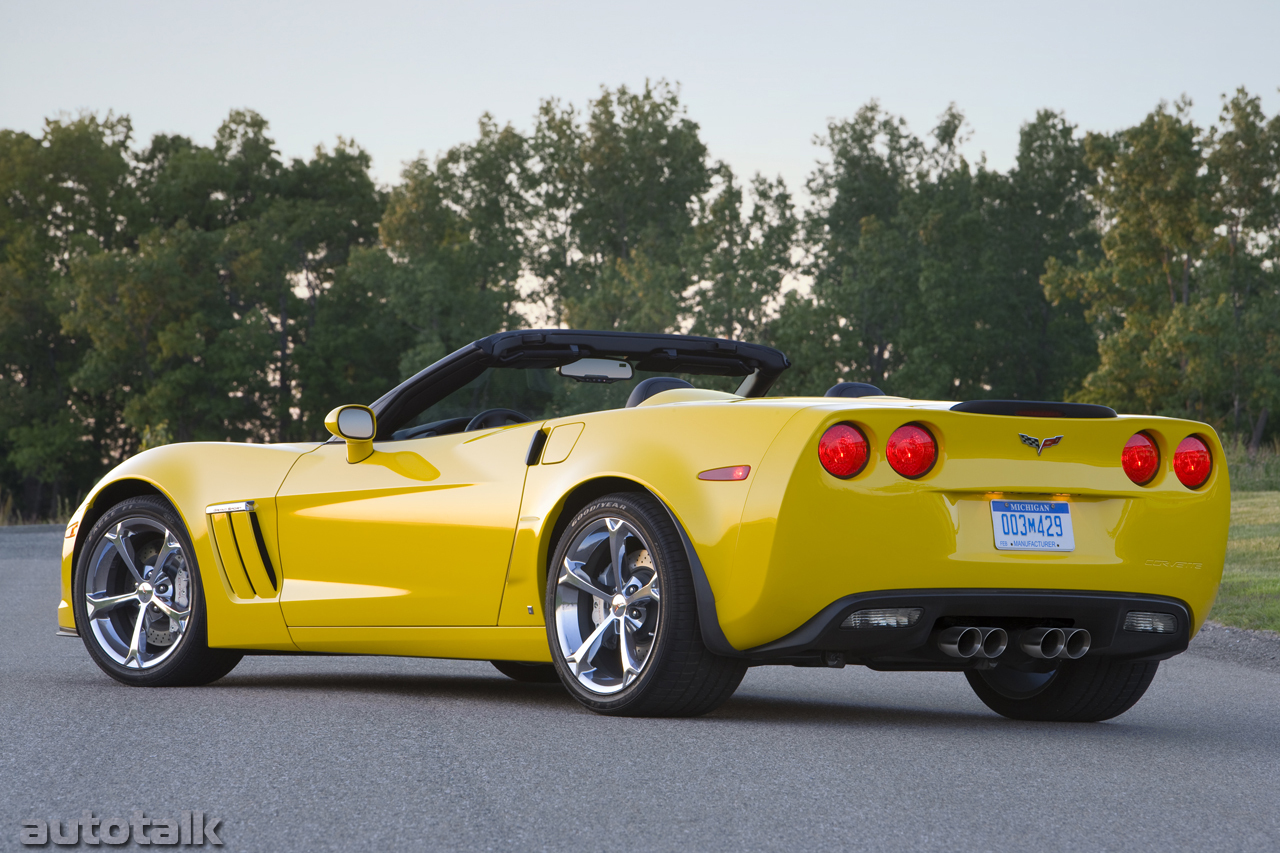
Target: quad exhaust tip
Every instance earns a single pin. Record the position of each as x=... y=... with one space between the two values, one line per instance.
x=1077 y=645
x=1052 y=643
x=966 y=642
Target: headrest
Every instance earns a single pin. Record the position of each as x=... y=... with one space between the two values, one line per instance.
x=853 y=389
x=653 y=385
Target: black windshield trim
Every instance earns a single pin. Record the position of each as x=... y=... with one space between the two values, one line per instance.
x=542 y=348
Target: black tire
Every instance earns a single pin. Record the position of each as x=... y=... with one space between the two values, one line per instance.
x=678 y=676
x=183 y=662
x=528 y=673
x=1081 y=691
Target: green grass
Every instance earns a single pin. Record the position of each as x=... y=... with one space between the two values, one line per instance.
x=1250 y=593
x=1253 y=472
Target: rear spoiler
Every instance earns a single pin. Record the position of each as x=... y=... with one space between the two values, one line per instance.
x=1034 y=409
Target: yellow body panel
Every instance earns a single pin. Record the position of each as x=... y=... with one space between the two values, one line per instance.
x=661 y=448
x=488 y=643
x=438 y=546
x=419 y=533
x=193 y=476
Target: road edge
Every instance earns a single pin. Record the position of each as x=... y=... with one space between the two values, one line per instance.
x=1241 y=646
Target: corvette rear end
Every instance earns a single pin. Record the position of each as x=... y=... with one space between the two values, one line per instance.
x=1018 y=534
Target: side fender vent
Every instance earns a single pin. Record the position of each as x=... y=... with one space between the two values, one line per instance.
x=241 y=548
x=262 y=550
x=536 y=444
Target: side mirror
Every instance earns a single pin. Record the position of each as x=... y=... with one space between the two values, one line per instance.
x=355 y=425
x=597 y=370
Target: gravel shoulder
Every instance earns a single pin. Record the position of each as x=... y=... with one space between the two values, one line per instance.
x=1253 y=649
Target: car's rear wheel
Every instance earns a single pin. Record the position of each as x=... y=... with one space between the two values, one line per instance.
x=623 y=620
x=138 y=601
x=529 y=673
x=1079 y=691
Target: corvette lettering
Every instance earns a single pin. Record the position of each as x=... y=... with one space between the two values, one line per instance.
x=1174 y=565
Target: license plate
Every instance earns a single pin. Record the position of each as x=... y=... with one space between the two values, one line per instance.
x=1032 y=526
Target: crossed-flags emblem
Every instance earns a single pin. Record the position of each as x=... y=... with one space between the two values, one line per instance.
x=1040 y=446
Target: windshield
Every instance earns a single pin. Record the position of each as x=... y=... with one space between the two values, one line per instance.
x=537 y=394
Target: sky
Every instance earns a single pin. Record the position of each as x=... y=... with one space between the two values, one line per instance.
x=404 y=79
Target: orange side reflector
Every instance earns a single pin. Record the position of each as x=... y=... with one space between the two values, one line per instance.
x=72 y=528
x=733 y=472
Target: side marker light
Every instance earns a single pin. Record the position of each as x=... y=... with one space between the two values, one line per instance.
x=733 y=472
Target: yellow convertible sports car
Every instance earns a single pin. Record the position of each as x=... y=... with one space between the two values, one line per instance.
x=572 y=507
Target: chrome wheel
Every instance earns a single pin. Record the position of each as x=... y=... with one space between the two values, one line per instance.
x=607 y=605
x=137 y=592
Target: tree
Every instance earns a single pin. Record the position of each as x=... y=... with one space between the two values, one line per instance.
x=455 y=232
x=1039 y=211
x=740 y=259
x=614 y=200
x=1184 y=296
x=926 y=271
x=197 y=327
x=62 y=195
x=861 y=253
x=1244 y=171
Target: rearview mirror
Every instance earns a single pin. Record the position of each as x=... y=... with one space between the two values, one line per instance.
x=597 y=370
x=355 y=425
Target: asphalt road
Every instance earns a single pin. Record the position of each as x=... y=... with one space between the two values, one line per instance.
x=364 y=753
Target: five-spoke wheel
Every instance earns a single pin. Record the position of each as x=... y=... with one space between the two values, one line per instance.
x=607 y=605
x=137 y=599
x=623 y=623
x=138 y=593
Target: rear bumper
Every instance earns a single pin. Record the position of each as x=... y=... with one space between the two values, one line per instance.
x=1100 y=613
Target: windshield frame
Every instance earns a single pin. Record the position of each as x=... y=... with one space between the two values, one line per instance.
x=760 y=366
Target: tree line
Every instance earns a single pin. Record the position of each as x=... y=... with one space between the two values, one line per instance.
x=176 y=291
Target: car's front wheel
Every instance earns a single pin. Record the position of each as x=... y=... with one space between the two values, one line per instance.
x=1079 y=691
x=623 y=620
x=138 y=601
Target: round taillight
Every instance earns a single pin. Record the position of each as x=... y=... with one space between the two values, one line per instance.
x=1192 y=462
x=1140 y=458
x=911 y=451
x=843 y=450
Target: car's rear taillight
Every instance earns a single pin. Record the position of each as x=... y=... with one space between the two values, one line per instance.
x=1192 y=462
x=843 y=450
x=1140 y=458
x=911 y=451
